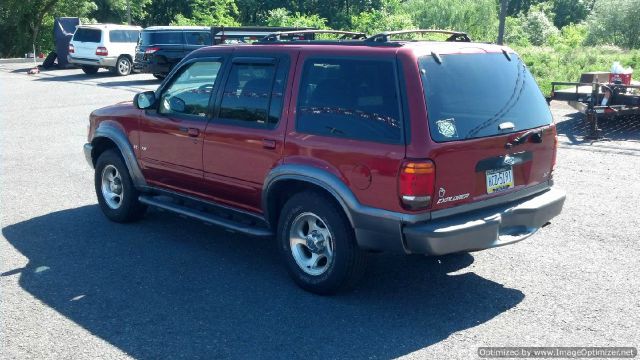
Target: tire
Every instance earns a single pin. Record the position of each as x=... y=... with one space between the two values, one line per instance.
x=159 y=76
x=123 y=66
x=90 y=70
x=339 y=262
x=112 y=178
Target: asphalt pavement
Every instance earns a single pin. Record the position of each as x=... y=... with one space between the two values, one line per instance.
x=75 y=286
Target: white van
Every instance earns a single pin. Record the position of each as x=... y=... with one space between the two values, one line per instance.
x=107 y=46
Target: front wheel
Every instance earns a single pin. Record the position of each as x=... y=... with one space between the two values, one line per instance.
x=318 y=244
x=117 y=196
x=159 y=76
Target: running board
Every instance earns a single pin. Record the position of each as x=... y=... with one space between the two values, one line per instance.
x=206 y=217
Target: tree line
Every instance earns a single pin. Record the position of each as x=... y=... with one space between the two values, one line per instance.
x=528 y=22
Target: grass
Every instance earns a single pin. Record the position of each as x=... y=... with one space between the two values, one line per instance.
x=549 y=64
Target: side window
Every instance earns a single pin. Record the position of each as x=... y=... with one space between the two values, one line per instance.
x=133 y=35
x=350 y=98
x=123 y=36
x=190 y=90
x=253 y=92
x=198 y=38
x=117 y=36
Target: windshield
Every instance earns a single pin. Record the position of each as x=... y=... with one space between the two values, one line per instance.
x=478 y=95
x=87 y=35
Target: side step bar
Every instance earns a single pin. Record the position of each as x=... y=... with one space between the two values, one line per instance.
x=206 y=217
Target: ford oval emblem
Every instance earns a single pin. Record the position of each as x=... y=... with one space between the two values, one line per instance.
x=508 y=160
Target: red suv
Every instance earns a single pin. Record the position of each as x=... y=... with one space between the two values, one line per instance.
x=338 y=148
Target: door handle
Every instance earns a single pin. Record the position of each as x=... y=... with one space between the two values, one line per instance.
x=193 y=132
x=268 y=143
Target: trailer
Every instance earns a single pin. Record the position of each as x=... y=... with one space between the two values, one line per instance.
x=597 y=98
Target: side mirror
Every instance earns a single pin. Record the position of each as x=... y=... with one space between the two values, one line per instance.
x=144 y=100
x=177 y=105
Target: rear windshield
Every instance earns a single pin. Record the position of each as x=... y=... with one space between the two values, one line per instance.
x=471 y=95
x=124 y=36
x=87 y=35
x=161 y=38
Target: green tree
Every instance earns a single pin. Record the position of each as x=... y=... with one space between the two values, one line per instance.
x=27 y=23
x=390 y=16
x=478 y=18
x=210 y=13
x=570 y=11
x=162 y=12
x=615 y=22
x=115 y=11
x=282 y=17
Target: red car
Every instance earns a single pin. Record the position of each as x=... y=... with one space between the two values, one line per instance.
x=338 y=148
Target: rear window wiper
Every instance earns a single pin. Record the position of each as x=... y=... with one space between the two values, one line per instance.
x=535 y=135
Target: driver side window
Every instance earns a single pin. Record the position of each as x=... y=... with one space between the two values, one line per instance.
x=190 y=91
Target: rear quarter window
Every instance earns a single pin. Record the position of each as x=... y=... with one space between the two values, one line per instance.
x=87 y=35
x=469 y=95
x=123 y=36
x=350 y=98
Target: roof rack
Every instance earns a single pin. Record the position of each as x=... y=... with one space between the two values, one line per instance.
x=386 y=36
x=346 y=35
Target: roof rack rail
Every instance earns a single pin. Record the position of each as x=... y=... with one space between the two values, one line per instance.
x=386 y=36
x=346 y=35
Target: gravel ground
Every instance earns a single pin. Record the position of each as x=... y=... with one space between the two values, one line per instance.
x=74 y=285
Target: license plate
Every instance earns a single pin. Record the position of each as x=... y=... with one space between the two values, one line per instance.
x=499 y=180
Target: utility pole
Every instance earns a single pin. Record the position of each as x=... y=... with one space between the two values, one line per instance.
x=129 y=12
x=503 y=18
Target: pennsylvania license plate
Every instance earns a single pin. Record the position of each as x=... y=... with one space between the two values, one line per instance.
x=499 y=180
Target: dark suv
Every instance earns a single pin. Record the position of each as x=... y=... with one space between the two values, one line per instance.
x=338 y=148
x=160 y=48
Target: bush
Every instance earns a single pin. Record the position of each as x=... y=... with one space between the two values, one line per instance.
x=548 y=64
x=515 y=33
x=539 y=28
x=389 y=17
x=282 y=17
x=477 y=18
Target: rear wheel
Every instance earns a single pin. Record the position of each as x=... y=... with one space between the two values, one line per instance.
x=89 y=70
x=117 y=196
x=318 y=244
x=123 y=66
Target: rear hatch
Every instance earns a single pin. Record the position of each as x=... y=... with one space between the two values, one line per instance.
x=491 y=129
x=85 y=42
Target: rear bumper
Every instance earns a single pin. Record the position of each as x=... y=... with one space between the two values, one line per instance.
x=486 y=228
x=477 y=226
x=101 y=62
x=152 y=66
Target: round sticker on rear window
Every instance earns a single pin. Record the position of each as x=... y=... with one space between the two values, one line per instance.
x=447 y=127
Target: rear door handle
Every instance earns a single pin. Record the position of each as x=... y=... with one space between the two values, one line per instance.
x=193 y=132
x=268 y=143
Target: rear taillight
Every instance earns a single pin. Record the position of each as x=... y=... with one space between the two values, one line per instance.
x=102 y=51
x=71 y=49
x=416 y=183
x=555 y=151
x=151 y=50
